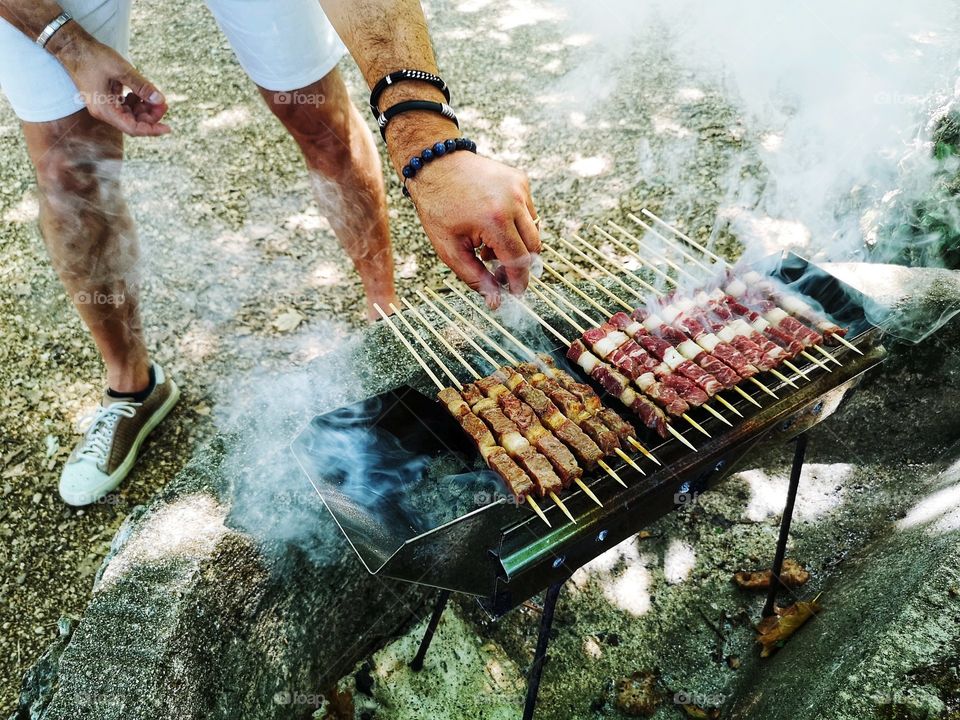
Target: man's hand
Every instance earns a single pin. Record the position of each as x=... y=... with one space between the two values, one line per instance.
x=101 y=74
x=469 y=203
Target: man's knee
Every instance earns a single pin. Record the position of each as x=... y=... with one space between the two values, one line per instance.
x=77 y=171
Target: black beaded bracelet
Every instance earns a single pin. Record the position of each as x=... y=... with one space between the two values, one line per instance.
x=400 y=76
x=391 y=112
x=438 y=149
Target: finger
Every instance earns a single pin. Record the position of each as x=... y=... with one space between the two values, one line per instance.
x=467 y=266
x=529 y=232
x=122 y=119
x=141 y=87
x=512 y=253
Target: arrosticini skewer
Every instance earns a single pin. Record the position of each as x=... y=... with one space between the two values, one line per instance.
x=664 y=258
x=627 y=401
x=499 y=348
x=593 y=323
x=469 y=368
x=579 y=328
x=773 y=371
x=529 y=352
x=630 y=309
x=690 y=241
x=453 y=378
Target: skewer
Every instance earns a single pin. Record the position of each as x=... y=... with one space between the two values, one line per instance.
x=823 y=351
x=473 y=328
x=674 y=246
x=562 y=299
x=580 y=329
x=453 y=378
x=583 y=486
x=816 y=361
x=842 y=340
x=643 y=246
x=482 y=313
x=582 y=274
x=625 y=248
x=600 y=267
x=468 y=338
x=443 y=341
x=611 y=472
x=416 y=356
x=659 y=294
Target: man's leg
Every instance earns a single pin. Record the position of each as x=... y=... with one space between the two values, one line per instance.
x=346 y=174
x=90 y=237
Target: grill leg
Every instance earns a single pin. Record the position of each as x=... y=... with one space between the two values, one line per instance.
x=442 y=597
x=540 y=656
x=795 y=471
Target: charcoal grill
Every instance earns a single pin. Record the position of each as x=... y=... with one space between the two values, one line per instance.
x=439 y=519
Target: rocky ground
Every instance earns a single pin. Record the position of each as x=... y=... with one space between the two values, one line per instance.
x=243 y=276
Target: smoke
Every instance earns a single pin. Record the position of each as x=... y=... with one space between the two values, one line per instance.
x=840 y=100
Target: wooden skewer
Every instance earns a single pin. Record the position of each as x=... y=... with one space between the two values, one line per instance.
x=828 y=355
x=566 y=317
x=473 y=328
x=747 y=396
x=589 y=320
x=611 y=472
x=846 y=343
x=754 y=380
x=777 y=374
x=453 y=378
x=674 y=246
x=582 y=274
x=583 y=486
x=625 y=248
x=763 y=387
x=536 y=508
x=640 y=281
x=441 y=339
x=816 y=361
x=646 y=248
x=629 y=461
x=601 y=268
x=796 y=369
x=723 y=401
x=581 y=330
x=406 y=343
x=486 y=356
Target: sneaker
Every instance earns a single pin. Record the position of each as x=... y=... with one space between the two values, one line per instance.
x=112 y=438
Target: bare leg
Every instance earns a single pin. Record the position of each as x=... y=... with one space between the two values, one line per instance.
x=346 y=174
x=90 y=237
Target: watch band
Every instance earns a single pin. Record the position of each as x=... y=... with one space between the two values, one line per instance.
x=51 y=29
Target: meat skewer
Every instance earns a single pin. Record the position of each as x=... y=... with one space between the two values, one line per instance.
x=496 y=457
x=835 y=334
x=630 y=309
x=638 y=404
x=567 y=431
x=484 y=314
x=653 y=376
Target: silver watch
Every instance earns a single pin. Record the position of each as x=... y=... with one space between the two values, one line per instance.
x=50 y=30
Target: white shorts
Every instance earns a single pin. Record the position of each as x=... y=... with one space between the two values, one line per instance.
x=281 y=44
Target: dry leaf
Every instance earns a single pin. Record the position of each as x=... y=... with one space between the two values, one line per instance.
x=693 y=711
x=637 y=694
x=774 y=631
x=288 y=321
x=792 y=574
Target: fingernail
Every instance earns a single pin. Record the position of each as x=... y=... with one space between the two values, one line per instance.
x=156 y=98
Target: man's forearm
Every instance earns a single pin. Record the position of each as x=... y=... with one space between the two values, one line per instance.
x=388 y=35
x=31 y=17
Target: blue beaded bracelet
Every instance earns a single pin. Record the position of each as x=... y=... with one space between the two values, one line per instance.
x=438 y=149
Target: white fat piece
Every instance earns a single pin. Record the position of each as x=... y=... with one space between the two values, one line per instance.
x=727 y=334
x=618 y=337
x=628 y=396
x=702 y=298
x=588 y=361
x=670 y=312
x=653 y=321
x=717 y=294
x=775 y=316
x=672 y=358
x=604 y=346
x=760 y=325
x=634 y=328
x=645 y=380
x=689 y=349
x=795 y=305
x=708 y=341
x=753 y=277
x=736 y=287
x=514 y=442
x=741 y=327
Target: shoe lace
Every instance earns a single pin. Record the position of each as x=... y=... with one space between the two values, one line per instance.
x=98 y=427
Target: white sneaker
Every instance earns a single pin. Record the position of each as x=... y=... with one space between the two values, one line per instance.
x=112 y=438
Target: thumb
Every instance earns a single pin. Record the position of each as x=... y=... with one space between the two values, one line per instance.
x=141 y=87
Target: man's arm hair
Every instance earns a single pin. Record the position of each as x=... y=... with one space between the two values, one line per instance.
x=388 y=35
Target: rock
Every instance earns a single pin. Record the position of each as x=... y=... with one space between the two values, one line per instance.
x=637 y=695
